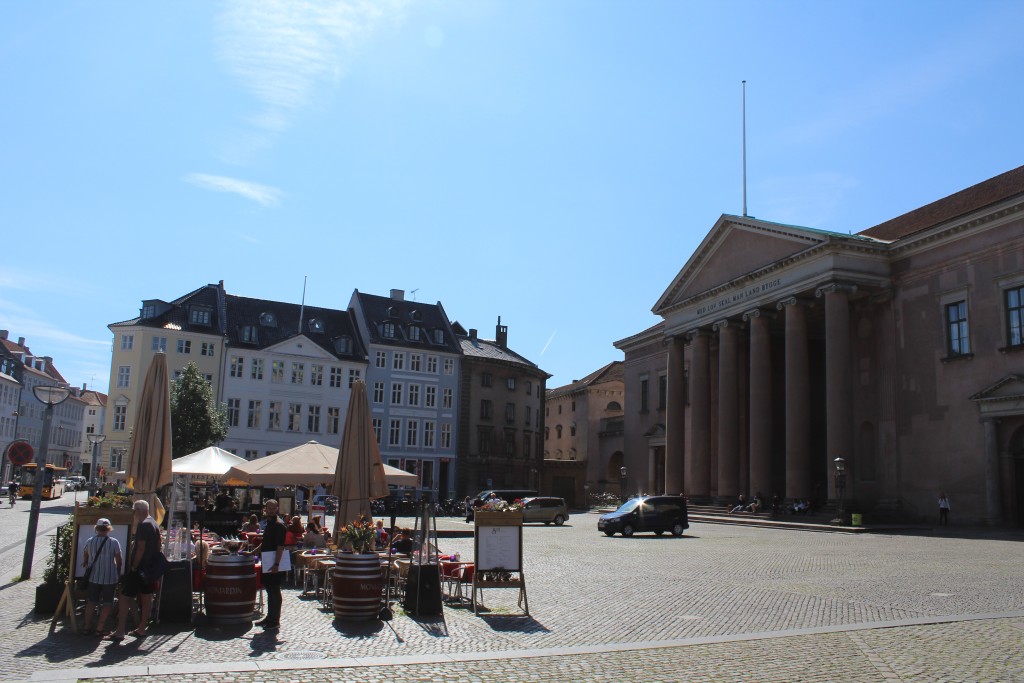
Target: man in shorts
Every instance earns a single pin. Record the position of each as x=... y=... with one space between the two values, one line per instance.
x=135 y=588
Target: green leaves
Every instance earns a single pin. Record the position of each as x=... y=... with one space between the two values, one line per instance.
x=196 y=419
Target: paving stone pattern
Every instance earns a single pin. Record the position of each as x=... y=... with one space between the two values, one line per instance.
x=588 y=590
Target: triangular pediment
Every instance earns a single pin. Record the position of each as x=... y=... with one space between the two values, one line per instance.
x=1010 y=387
x=736 y=246
x=300 y=345
x=656 y=431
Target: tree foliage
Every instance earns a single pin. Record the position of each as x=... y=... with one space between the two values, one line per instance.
x=196 y=419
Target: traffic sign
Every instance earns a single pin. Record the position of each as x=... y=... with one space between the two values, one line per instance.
x=19 y=453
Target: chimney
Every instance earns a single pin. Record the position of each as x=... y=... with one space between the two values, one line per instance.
x=83 y=387
x=3 y=334
x=398 y=294
x=472 y=333
x=501 y=334
x=21 y=341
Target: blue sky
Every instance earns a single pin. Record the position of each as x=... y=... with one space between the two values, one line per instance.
x=554 y=163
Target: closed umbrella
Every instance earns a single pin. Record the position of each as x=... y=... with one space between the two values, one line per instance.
x=359 y=472
x=149 y=454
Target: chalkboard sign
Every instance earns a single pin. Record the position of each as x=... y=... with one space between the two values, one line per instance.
x=499 y=548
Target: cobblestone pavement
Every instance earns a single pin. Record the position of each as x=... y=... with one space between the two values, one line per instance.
x=645 y=608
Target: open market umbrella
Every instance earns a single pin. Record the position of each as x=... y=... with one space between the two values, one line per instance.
x=149 y=454
x=359 y=473
x=308 y=464
x=211 y=461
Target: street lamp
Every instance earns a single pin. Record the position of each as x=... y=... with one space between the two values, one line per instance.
x=51 y=396
x=840 y=486
x=95 y=440
x=622 y=484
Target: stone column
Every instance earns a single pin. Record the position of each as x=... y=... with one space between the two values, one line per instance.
x=728 y=411
x=838 y=399
x=760 y=402
x=992 y=502
x=675 y=418
x=698 y=461
x=798 y=401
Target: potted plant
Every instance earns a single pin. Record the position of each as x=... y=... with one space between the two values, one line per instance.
x=55 y=577
x=357 y=577
x=358 y=536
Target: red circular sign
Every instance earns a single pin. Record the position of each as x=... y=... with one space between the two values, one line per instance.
x=19 y=453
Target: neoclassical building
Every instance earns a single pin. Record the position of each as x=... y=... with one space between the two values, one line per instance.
x=898 y=349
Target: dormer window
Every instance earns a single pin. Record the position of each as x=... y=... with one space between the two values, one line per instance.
x=439 y=336
x=148 y=311
x=343 y=344
x=392 y=312
x=387 y=330
x=200 y=316
x=249 y=334
x=415 y=315
x=316 y=326
x=268 y=320
x=414 y=333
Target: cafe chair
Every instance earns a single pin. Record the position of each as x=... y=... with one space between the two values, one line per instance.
x=462 y=576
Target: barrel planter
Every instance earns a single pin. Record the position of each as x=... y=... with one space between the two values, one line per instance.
x=357 y=585
x=230 y=586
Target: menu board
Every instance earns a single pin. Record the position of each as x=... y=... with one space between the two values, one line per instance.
x=499 y=548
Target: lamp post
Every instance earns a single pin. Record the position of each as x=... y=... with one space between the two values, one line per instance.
x=622 y=483
x=51 y=396
x=95 y=440
x=586 y=495
x=840 y=487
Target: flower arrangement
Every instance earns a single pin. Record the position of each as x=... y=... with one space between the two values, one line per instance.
x=499 y=505
x=359 y=535
x=110 y=500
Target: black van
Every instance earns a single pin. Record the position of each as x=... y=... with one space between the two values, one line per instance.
x=507 y=495
x=652 y=513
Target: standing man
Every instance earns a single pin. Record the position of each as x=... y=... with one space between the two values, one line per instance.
x=273 y=549
x=145 y=546
x=943 y=510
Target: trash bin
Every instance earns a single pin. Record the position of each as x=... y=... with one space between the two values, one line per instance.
x=856 y=519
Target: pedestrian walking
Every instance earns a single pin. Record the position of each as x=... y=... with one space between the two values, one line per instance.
x=943 y=510
x=102 y=561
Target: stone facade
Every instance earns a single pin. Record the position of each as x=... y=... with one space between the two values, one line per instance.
x=897 y=349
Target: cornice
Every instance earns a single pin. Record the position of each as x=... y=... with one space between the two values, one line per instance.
x=987 y=218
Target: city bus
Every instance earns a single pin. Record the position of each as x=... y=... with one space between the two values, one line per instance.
x=53 y=481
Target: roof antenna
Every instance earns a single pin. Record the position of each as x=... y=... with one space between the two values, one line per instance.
x=744 y=149
x=302 y=307
x=413 y=292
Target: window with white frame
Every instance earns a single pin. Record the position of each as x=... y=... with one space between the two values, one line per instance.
x=335 y=379
x=957 y=339
x=333 y=417
x=251 y=454
x=256 y=369
x=395 y=432
x=414 y=394
x=430 y=396
x=378 y=392
x=378 y=427
x=274 y=416
x=316 y=375
x=234 y=407
x=381 y=360
x=298 y=372
x=294 y=417
x=449 y=366
x=200 y=316
x=428 y=434
x=255 y=409
x=396 y=393
x=237 y=366
x=117 y=456
x=353 y=376
x=432 y=364
x=159 y=344
x=1015 y=316
x=387 y=330
x=415 y=362
x=127 y=342
x=249 y=334
x=277 y=371
x=439 y=336
x=207 y=349
x=124 y=376
x=398 y=361
x=412 y=433
x=313 y=419
x=446 y=398
x=120 y=415
x=184 y=346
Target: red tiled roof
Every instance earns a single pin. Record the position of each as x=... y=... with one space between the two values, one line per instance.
x=957 y=204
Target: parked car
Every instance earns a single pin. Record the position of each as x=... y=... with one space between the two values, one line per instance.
x=545 y=509
x=508 y=495
x=76 y=482
x=651 y=513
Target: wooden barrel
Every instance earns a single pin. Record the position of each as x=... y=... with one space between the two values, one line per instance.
x=357 y=584
x=230 y=586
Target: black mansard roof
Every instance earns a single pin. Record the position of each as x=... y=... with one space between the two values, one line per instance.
x=380 y=312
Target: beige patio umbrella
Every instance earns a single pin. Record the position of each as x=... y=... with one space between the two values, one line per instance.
x=308 y=464
x=149 y=453
x=359 y=472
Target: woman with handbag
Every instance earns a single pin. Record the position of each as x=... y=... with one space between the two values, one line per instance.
x=102 y=562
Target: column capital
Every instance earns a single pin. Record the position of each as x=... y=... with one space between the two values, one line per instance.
x=696 y=333
x=757 y=313
x=792 y=301
x=835 y=287
x=719 y=325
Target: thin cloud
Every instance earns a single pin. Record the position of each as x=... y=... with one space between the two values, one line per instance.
x=261 y=194
x=282 y=50
x=550 y=339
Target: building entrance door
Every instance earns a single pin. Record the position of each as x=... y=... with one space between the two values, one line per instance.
x=1017 y=458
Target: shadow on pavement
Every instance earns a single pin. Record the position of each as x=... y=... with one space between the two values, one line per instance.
x=513 y=623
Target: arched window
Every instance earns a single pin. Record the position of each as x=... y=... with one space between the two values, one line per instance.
x=614 y=406
x=558 y=431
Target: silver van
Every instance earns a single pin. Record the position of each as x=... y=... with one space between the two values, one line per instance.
x=545 y=509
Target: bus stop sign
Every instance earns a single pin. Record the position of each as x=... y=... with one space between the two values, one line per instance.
x=19 y=453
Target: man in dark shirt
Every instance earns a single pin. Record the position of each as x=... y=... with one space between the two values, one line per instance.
x=273 y=549
x=145 y=546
